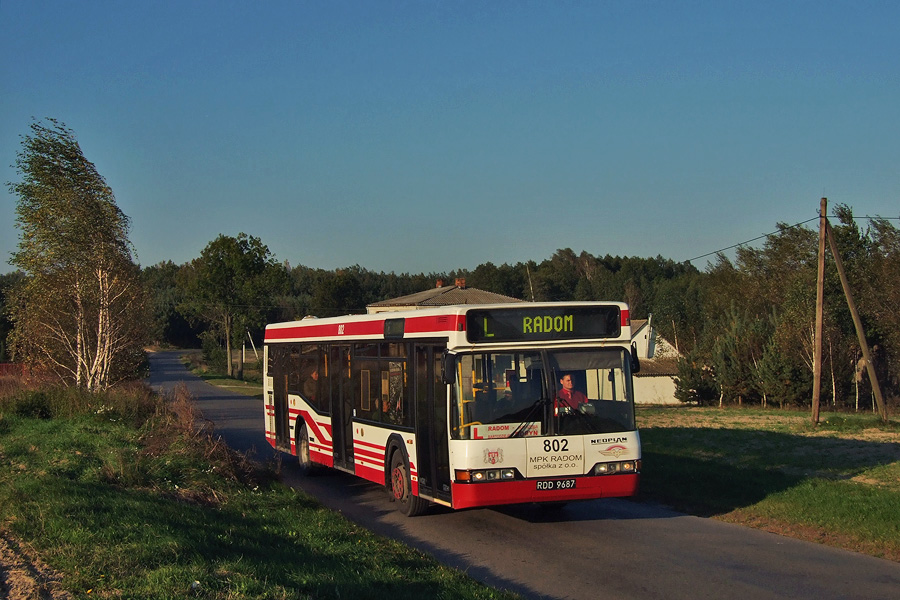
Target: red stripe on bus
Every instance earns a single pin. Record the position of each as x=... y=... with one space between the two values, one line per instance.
x=369 y=454
x=369 y=459
x=319 y=430
x=370 y=474
x=363 y=444
x=433 y=324
x=323 y=448
x=327 y=330
x=413 y=477
x=429 y=324
x=326 y=459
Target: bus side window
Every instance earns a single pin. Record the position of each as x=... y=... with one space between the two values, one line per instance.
x=270 y=360
x=308 y=373
x=395 y=407
x=294 y=371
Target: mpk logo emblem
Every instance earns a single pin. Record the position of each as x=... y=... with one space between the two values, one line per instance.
x=493 y=457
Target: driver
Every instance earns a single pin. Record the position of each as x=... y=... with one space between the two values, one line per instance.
x=568 y=397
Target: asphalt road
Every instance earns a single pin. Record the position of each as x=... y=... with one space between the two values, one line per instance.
x=603 y=549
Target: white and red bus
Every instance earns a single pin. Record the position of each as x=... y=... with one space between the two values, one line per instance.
x=461 y=405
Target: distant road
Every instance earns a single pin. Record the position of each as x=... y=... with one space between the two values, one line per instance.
x=597 y=550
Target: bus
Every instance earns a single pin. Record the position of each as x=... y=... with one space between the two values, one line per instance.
x=461 y=406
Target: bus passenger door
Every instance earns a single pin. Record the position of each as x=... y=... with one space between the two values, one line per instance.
x=341 y=407
x=432 y=448
x=280 y=398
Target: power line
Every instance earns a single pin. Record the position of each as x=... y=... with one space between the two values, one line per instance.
x=880 y=218
x=738 y=245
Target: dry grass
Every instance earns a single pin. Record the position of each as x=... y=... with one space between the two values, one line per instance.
x=182 y=428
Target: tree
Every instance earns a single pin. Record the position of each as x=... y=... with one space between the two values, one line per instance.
x=556 y=278
x=736 y=354
x=167 y=326
x=7 y=284
x=230 y=287
x=694 y=381
x=781 y=378
x=871 y=260
x=338 y=294
x=79 y=310
x=678 y=310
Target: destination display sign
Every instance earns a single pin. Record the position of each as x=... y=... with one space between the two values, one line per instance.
x=542 y=323
x=505 y=430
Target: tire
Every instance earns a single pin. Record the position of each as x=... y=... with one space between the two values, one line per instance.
x=401 y=488
x=307 y=466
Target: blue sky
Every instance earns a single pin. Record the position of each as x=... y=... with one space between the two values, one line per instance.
x=429 y=136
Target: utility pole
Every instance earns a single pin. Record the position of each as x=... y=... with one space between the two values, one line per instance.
x=531 y=287
x=857 y=323
x=820 y=303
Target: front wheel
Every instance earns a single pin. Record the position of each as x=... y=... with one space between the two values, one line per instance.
x=401 y=488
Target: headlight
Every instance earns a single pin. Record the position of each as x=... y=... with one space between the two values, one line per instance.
x=611 y=468
x=481 y=475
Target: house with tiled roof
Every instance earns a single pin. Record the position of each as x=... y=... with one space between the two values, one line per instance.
x=440 y=295
x=655 y=383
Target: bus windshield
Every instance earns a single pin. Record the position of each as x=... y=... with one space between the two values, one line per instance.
x=548 y=392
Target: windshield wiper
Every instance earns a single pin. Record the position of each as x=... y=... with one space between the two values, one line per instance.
x=529 y=418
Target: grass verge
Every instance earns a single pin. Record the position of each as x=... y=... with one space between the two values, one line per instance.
x=125 y=498
x=251 y=385
x=838 y=483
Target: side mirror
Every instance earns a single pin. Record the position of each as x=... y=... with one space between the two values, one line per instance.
x=635 y=361
x=448 y=368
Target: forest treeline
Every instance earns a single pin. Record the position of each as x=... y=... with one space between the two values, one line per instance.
x=298 y=291
x=81 y=308
x=743 y=326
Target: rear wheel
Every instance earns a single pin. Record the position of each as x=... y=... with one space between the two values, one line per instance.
x=307 y=466
x=401 y=488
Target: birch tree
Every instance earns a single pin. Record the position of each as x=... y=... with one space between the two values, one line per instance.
x=79 y=310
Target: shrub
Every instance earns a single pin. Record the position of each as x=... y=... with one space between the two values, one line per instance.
x=133 y=402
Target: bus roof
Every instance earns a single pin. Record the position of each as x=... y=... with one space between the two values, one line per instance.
x=434 y=322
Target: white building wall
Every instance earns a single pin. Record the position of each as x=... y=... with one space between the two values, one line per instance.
x=650 y=344
x=654 y=389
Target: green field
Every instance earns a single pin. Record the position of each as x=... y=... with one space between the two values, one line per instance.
x=837 y=483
